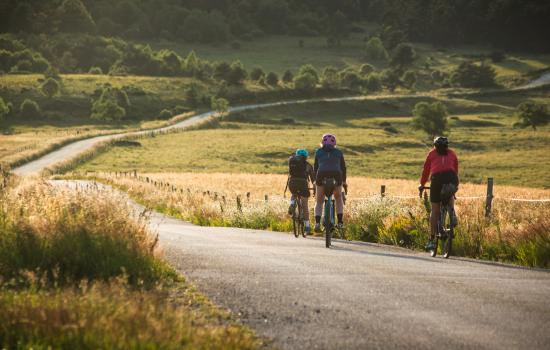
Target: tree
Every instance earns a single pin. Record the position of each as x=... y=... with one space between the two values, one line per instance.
x=309 y=69
x=4 y=110
x=366 y=69
x=220 y=105
x=533 y=114
x=305 y=82
x=237 y=74
x=288 y=77
x=409 y=79
x=272 y=15
x=50 y=87
x=351 y=80
x=193 y=95
x=222 y=70
x=107 y=107
x=375 y=50
x=390 y=79
x=339 y=28
x=256 y=73
x=330 y=78
x=471 y=75
x=30 y=109
x=373 y=83
x=430 y=118
x=74 y=17
x=404 y=55
x=272 y=79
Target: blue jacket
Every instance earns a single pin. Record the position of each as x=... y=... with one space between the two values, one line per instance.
x=330 y=159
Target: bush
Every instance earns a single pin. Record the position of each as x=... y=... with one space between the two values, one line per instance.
x=272 y=79
x=165 y=114
x=404 y=55
x=309 y=69
x=330 y=78
x=50 y=87
x=30 y=109
x=256 y=73
x=110 y=106
x=366 y=69
x=288 y=77
x=95 y=71
x=390 y=79
x=375 y=50
x=373 y=83
x=305 y=82
x=470 y=75
x=533 y=114
x=430 y=118
x=409 y=79
x=351 y=80
x=4 y=110
x=237 y=73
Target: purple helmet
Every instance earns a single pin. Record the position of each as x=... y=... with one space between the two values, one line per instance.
x=328 y=139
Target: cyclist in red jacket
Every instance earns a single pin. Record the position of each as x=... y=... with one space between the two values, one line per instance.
x=442 y=164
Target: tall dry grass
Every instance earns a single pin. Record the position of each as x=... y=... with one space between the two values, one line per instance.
x=80 y=269
x=515 y=232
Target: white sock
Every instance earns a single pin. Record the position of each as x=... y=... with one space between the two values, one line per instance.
x=292 y=202
x=306 y=223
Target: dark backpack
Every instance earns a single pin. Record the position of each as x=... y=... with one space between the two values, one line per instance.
x=297 y=166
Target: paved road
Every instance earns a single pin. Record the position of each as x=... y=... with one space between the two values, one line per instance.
x=359 y=296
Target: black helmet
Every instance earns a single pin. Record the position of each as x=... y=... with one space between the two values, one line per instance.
x=441 y=141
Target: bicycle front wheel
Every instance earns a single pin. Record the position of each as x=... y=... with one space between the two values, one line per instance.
x=327 y=222
x=447 y=244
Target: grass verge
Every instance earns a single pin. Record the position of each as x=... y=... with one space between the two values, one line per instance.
x=80 y=269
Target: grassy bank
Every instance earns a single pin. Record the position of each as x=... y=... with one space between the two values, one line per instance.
x=78 y=269
x=517 y=232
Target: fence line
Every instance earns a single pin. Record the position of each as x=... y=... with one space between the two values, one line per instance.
x=164 y=185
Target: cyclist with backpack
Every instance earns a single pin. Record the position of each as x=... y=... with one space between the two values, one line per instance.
x=299 y=172
x=329 y=163
x=442 y=164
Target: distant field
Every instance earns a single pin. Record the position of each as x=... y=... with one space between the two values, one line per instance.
x=374 y=135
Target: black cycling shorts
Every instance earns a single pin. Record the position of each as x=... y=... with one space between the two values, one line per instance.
x=321 y=175
x=437 y=182
x=298 y=186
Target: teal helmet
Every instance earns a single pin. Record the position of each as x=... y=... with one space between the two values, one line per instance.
x=302 y=152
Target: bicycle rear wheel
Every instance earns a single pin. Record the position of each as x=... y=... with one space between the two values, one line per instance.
x=447 y=244
x=328 y=223
x=295 y=223
x=301 y=230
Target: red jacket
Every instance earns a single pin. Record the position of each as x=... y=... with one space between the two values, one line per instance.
x=436 y=163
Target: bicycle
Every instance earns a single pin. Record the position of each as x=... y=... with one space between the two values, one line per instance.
x=445 y=228
x=298 y=217
x=329 y=213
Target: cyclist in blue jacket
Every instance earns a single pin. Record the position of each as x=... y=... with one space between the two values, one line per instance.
x=329 y=163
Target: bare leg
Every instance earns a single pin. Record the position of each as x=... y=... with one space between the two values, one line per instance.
x=339 y=199
x=434 y=217
x=320 y=200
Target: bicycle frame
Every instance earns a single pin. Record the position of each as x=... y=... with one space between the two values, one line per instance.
x=329 y=210
x=445 y=233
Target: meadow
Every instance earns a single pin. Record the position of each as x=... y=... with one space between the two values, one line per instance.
x=374 y=134
x=516 y=231
x=79 y=268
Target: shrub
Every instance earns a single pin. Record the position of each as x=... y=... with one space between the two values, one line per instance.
x=237 y=74
x=375 y=49
x=256 y=73
x=220 y=105
x=533 y=114
x=272 y=79
x=165 y=114
x=4 y=110
x=373 y=83
x=366 y=69
x=430 y=118
x=404 y=55
x=470 y=75
x=330 y=78
x=108 y=106
x=309 y=69
x=30 y=109
x=409 y=79
x=50 y=87
x=288 y=77
x=390 y=79
x=305 y=82
x=351 y=80
x=95 y=71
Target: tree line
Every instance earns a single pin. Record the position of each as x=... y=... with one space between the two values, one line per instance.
x=507 y=24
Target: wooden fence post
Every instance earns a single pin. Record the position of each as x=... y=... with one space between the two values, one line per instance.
x=383 y=191
x=489 y=199
x=266 y=198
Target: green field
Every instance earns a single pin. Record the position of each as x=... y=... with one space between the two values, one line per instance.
x=375 y=136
